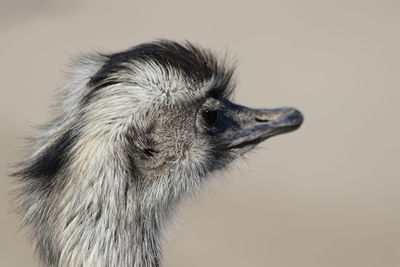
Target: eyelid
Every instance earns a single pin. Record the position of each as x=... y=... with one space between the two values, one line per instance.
x=212 y=103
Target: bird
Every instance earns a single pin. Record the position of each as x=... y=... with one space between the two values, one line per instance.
x=133 y=134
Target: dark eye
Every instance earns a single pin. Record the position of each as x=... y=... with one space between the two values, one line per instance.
x=210 y=116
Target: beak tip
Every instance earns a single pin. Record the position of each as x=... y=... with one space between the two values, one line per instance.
x=295 y=117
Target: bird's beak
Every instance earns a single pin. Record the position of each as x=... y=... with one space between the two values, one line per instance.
x=252 y=126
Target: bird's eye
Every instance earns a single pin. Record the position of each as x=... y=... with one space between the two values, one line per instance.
x=210 y=117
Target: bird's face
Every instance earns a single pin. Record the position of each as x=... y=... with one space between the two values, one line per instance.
x=205 y=134
x=177 y=111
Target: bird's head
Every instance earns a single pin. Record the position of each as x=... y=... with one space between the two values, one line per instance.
x=168 y=105
x=162 y=111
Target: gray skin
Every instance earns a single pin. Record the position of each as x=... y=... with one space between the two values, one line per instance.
x=134 y=133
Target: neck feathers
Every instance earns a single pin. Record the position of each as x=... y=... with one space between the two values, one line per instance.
x=93 y=213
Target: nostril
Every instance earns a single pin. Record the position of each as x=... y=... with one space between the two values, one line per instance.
x=261 y=120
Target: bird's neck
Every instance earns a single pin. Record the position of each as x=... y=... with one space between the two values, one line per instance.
x=104 y=219
x=112 y=230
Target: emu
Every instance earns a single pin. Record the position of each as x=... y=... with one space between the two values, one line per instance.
x=134 y=133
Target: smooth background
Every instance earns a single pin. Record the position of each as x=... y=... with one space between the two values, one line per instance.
x=327 y=195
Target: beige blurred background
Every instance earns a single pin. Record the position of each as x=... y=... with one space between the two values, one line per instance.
x=327 y=195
